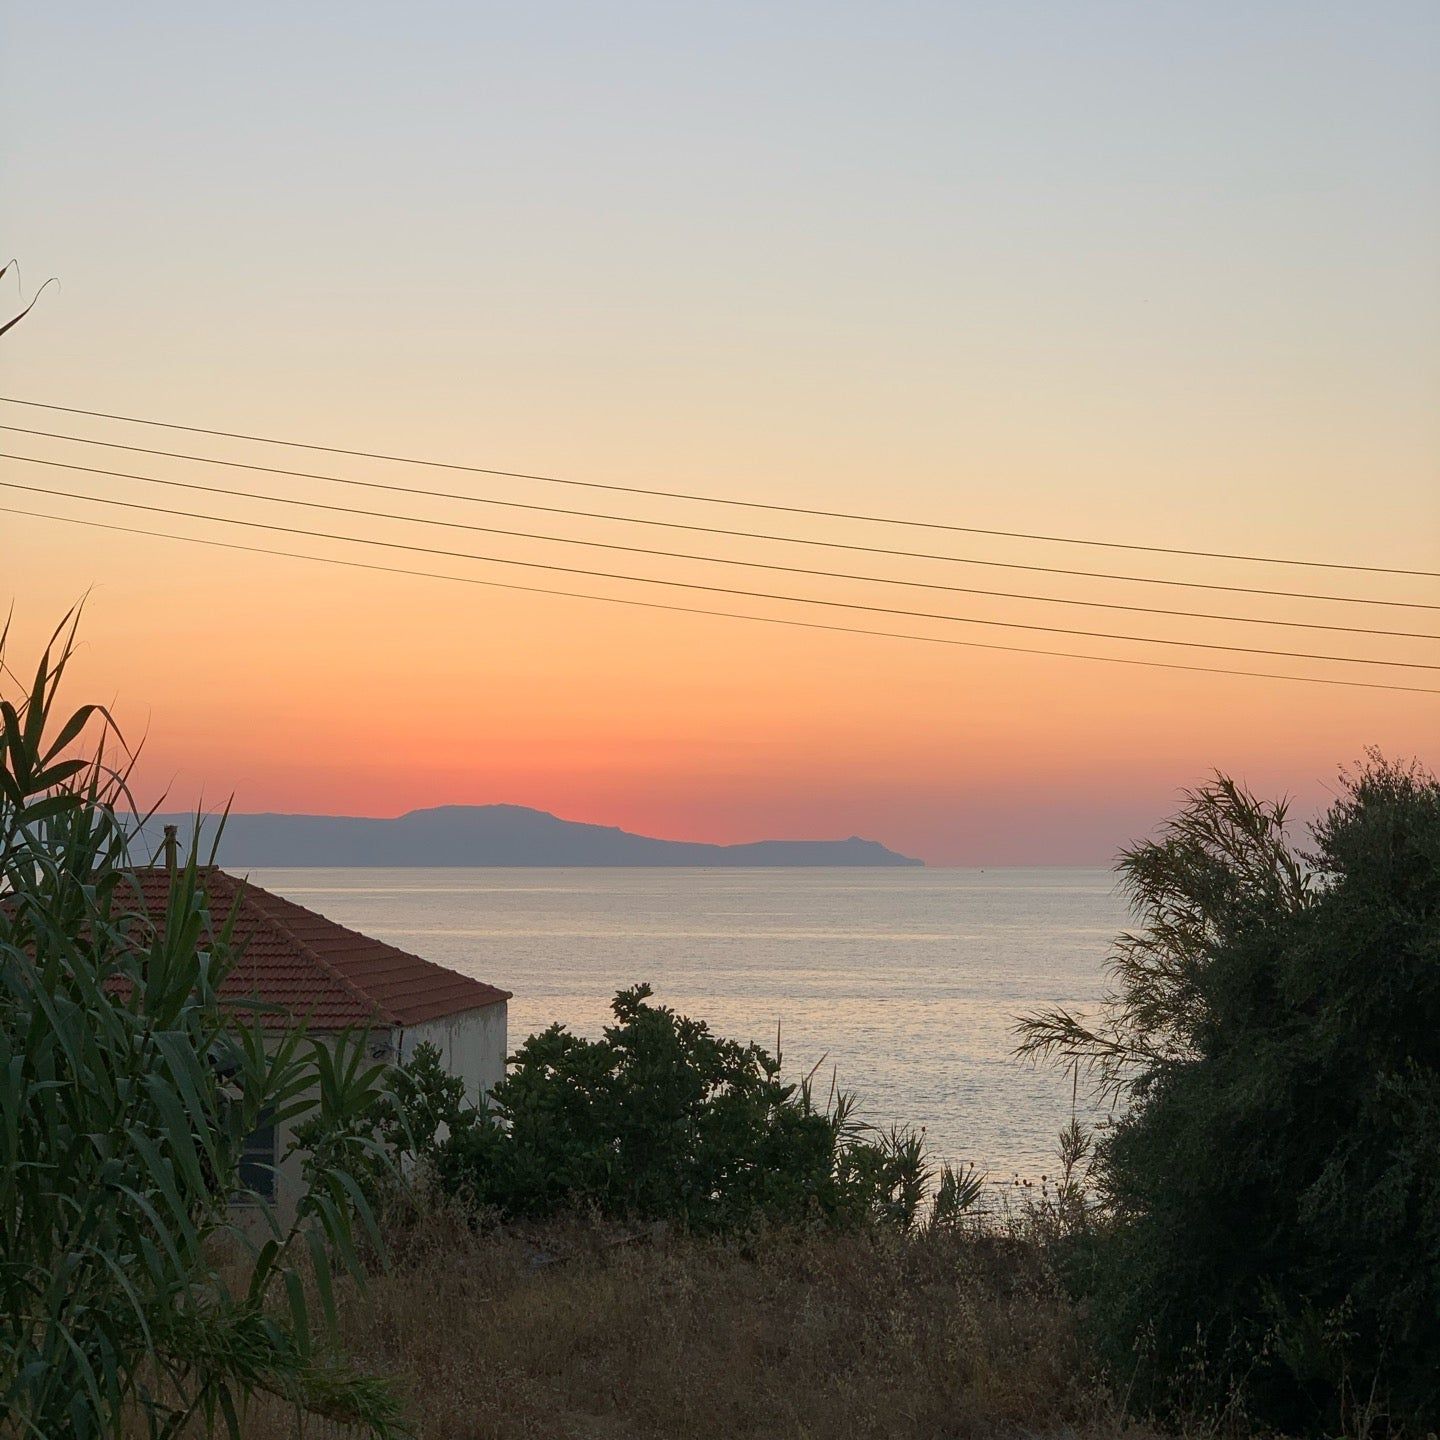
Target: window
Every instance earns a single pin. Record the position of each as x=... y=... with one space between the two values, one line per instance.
x=257 y=1159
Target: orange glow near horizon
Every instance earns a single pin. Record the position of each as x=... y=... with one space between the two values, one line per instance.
x=673 y=725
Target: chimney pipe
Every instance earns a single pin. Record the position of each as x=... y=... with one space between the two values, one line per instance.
x=172 y=848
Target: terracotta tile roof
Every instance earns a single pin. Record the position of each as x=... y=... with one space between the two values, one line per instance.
x=319 y=971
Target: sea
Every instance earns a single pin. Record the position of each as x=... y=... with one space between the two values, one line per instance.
x=899 y=985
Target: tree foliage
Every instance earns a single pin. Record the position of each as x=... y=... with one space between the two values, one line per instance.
x=1274 y=1185
x=661 y=1119
x=127 y=1091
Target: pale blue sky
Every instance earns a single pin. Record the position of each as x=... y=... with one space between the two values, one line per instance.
x=1138 y=240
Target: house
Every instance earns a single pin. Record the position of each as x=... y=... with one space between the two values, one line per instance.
x=334 y=979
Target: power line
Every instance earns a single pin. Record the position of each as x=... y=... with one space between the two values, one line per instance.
x=717 y=614
x=849 y=546
x=713 y=559
x=718 y=499
x=718 y=589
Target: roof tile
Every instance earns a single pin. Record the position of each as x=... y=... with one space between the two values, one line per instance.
x=316 y=970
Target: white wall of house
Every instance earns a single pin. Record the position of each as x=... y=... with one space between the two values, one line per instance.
x=471 y=1045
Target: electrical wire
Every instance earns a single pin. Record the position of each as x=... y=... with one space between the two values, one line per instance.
x=718 y=614
x=722 y=500
x=720 y=589
x=572 y=513
x=230 y=493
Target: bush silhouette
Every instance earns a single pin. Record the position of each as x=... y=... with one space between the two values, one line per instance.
x=661 y=1119
x=1273 y=1191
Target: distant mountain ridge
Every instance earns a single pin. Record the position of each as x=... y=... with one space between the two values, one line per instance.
x=490 y=835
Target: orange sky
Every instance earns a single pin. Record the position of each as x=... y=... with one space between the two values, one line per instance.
x=300 y=692
x=1169 y=282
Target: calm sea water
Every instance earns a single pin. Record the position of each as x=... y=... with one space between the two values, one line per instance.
x=903 y=982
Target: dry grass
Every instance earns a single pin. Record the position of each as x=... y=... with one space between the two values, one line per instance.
x=573 y=1331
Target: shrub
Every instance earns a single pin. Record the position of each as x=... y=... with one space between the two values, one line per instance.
x=1274 y=1189
x=398 y=1136
x=660 y=1119
x=127 y=1091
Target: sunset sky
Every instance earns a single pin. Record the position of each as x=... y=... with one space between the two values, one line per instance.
x=1160 y=273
